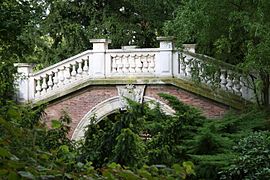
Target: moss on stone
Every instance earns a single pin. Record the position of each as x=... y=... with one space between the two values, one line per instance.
x=217 y=95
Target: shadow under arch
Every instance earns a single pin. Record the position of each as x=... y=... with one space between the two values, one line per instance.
x=107 y=107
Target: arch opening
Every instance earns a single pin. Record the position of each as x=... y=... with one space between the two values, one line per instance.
x=109 y=107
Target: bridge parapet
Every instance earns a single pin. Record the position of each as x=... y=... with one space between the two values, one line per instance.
x=206 y=70
x=129 y=62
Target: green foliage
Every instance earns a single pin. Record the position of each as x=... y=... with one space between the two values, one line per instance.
x=18 y=19
x=63 y=28
x=7 y=89
x=142 y=135
x=236 y=32
x=211 y=148
x=34 y=152
x=253 y=159
x=129 y=149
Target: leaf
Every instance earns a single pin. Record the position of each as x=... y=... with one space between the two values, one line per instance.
x=178 y=169
x=68 y=175
x=3 y=172
x=26 y=174
x=15 y=164
x=64 y=148
x=13 y=113
x=127 y=174
x=56 y=124
x=113 y=165
x=145 y=174
x=13 y=175
x=189 y=167
x=4 y=153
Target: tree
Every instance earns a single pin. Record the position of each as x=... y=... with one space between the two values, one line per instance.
x=68 y=25
x=236 y=32
x=18 y=20
x=253 y=159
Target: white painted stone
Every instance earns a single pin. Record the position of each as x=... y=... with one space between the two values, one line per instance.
x=99 y=58
x=128 y=63
x=24 y=70
x=190 y=47
x=164 y=57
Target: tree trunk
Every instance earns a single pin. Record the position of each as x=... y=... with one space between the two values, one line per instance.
x=265 y=91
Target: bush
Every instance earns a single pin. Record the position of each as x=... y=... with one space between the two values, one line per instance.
x=253 y=161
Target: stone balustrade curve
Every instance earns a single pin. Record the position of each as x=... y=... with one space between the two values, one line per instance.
x=130 y=62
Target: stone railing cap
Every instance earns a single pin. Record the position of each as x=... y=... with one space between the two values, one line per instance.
x=165 y=38
x=100 y=41
x=23 y=64
x=128 y=47
x=189 y=45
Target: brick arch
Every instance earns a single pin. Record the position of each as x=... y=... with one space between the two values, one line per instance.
x=79 y=103
x=107 y=107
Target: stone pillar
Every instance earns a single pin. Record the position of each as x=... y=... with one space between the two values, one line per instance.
x=24 y=83
x=98 y=63
x=164 y=63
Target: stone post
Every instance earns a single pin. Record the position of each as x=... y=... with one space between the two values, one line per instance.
x=164 y=63
x=98 y=63
x=24 y=84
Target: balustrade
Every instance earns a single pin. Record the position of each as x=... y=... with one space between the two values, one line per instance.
x=124 y=63
x=217 y=74
x=59 y=76
x=148 y=62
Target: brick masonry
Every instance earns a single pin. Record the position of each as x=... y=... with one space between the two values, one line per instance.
x=78 y=104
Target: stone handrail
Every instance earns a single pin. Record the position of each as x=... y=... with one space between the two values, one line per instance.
x=218 y=74
x=60 y=76
x=101 y=63
x=131 y=62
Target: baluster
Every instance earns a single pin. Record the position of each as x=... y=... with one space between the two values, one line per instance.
x=188 y=66
x=119 y=64
x=243 y=86
x=125 y=64
x=44 y=84
x=90 y=70
x=80 y=70
x=138 y=62
x=144 y=63
x=230 y=81
x=85 y=67
x=38 y=86
x=61 y=76
x=217 y=78
x=183 y=65
x=50 y=82
x=132 y=64
x=67 y=74
x=114 y=65
x=201 y=71
x=73 y=72
x=151 y=67
x=223 y=79
x=55 y=79
x=237 y=86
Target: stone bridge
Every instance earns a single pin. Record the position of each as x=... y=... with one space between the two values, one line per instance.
x=96 y=81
